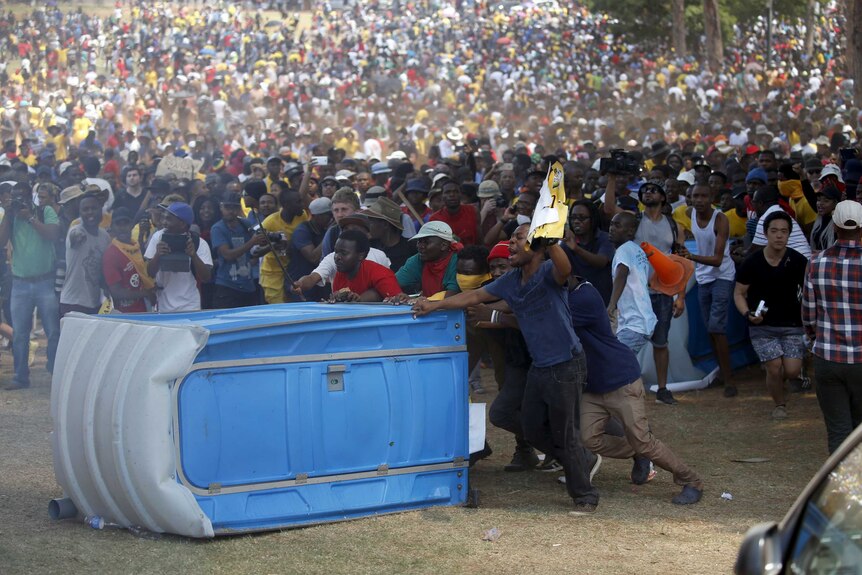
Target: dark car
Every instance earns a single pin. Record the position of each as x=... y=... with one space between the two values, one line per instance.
x=822 y=532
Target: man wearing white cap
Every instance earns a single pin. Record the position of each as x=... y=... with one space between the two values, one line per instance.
x=832 y=317
x=306 y=243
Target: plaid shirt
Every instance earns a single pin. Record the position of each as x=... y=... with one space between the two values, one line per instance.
x=832 y=303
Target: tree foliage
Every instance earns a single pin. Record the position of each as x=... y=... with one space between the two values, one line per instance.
x=650 y=21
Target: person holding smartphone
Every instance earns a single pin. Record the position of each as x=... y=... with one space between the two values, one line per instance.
x=177 y=290
x=774 y=275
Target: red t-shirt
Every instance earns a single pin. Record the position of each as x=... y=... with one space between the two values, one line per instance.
x=118 y=269
x=464 y=223
x=370 y=275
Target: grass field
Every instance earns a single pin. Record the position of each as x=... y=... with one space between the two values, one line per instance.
x=636 y=529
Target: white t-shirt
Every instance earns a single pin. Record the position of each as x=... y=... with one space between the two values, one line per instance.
x=796 y=240
x=326 y=270
x=634 y=305
x=177 y=291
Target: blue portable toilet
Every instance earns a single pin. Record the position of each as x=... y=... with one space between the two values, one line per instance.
x=260 y=418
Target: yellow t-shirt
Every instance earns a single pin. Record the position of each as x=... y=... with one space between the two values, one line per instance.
x=681 y=217
x=60 y=149
x=274 y=223
x=805 y=215
x=737 y=224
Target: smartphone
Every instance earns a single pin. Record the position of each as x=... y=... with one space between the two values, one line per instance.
x=322 y=160
x=177 y=242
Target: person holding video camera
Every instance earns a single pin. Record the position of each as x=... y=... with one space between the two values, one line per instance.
x=177 y=259
x=233 y=239
x=768 y=293
x=32 y=231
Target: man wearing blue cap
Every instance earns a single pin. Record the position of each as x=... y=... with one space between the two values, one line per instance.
x=177 y=290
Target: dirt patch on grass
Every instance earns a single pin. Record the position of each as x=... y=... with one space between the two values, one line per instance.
x=635 y=530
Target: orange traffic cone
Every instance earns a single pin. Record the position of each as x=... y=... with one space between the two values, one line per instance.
x=672 y=272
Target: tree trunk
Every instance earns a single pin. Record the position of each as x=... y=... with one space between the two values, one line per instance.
x=809 y=28
x=678 y=10
x=853 y=13
x=712 y=26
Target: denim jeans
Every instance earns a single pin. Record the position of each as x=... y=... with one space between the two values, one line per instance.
x=839 y=393
x=26 y=297
x=551 y=413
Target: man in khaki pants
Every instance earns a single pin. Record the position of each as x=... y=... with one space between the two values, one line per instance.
x=615 y=390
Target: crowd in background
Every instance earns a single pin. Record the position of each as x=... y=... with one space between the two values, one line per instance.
x=173 y=158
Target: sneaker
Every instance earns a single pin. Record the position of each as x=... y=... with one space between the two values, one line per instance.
x=550 y=465
x=663 y=395
x=688 y=496
x=583 y=509
x=730 y=391
x=31 y=358
x=780 y=412
x=643 y=470
x=523 y=460
x=561 y=479
x=595 y=468
x=717 y=382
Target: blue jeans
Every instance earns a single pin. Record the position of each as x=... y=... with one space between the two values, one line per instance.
x=633 y=340
x=27 y=296
x=714 y=299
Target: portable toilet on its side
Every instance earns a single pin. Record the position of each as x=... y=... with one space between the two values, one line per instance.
x=259 y=418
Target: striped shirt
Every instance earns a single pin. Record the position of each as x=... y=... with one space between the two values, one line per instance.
x=832 y=302
x=796 y=240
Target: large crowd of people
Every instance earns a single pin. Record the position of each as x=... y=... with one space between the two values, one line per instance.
x=176 y=157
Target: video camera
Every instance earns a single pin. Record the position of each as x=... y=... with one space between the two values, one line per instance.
x=621 y=163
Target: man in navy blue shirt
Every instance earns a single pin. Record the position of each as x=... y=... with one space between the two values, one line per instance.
x=536 y=292
x=232 y=239
x=615 y=389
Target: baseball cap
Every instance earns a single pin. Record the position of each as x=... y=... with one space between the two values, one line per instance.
x=439 y=180
x=687 y=177
x=233 y=200
x=831 y=170
x=500 y=250
x=830 y=192
x=418 y=185
x=435 y=230
x=344 y=175
x=380 y=168
x=738 y=192
x=488 y=189
x=181 y=210
x=320 y=206
x=757 y=174
x=397 y=155
x=848 y=215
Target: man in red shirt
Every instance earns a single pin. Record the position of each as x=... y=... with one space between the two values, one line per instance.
x=123 y=266
x=462 y=218
x=357 y=278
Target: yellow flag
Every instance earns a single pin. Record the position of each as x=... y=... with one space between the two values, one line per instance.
x=549 y=218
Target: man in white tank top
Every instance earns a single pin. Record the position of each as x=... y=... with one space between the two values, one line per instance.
x=715 y=273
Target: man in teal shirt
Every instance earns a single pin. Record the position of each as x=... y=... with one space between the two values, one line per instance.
x=32 y=231
x=433 y=269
